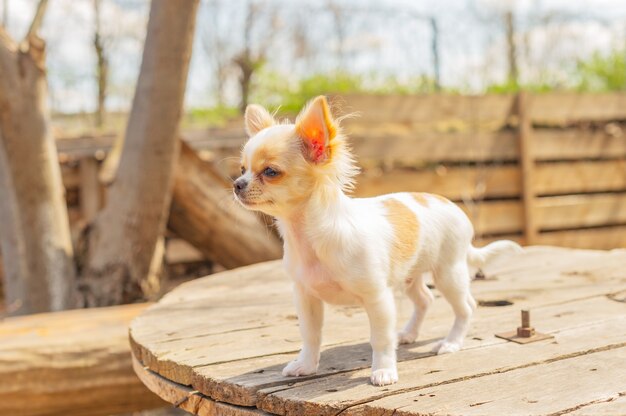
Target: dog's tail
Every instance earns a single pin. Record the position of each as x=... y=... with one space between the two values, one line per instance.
x=477 y=257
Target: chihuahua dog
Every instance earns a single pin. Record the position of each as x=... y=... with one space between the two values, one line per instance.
x=344 y=250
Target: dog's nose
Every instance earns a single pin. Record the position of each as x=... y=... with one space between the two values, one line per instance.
x=240 y=185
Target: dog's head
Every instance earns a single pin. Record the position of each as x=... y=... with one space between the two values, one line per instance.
x=283 y=164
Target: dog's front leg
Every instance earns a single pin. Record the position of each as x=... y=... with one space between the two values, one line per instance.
x=310 y=317
x=382 y=316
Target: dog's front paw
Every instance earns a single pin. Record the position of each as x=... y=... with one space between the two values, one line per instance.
x=299 y=367
x=406 y=337
x=384 y=376
x=446 y=347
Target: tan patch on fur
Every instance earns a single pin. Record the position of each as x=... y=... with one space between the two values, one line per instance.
x=421 y=198
x=405 y=230
x=441 y=198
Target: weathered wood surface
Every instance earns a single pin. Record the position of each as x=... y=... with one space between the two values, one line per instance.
x=225 y=339
x=70 y=363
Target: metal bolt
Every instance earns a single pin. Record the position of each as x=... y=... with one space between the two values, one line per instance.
x=525 y=331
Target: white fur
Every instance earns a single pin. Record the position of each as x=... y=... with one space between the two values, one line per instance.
x=337 y=250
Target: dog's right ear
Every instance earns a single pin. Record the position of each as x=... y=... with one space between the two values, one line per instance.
x=257 y=118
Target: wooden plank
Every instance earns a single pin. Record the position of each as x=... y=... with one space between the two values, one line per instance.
x=580 y=177
x=573 y=211
x=476 y=182
x=548 y=109
x=70 y=363
x=440 y=110
x=578 y=143
x=549 y=387
x=552 y=213
x=562 y=108
x=416 y=149
x=455 y=183
x=90 y=192
x=495 y=217
x=247 y=381
x=527 y=165
x=424 y=372
x=605 y=238
x=187 y=399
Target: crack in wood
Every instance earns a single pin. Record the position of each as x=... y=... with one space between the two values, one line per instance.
x=592 y=402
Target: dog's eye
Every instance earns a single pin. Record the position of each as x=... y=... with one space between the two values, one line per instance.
x=270 y=173
x=243 y=170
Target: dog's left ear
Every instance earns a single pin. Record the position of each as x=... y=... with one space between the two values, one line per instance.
x=257 y=118
x=316 y=127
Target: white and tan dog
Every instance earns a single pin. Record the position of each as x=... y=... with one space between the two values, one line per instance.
x=344 y=250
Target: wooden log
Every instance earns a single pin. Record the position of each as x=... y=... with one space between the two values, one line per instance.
x=71 y=363
x=204 y=213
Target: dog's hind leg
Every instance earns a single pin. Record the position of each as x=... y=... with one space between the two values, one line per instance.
x=422 y=297
x=454 y=284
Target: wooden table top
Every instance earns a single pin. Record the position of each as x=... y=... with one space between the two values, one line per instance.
x=216 y=346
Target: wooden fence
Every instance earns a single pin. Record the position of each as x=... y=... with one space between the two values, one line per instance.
x=539 y=169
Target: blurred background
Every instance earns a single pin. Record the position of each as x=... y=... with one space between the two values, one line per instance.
x=121 y=125
x=300 y=48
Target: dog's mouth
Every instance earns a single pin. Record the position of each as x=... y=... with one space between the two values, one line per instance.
x=251 y=204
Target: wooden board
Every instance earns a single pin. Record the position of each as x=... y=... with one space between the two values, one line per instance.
x=606 y=238
x=546 y=387
x=440 y=110
x=496 y=181
x=187 y=399
x=228 y=336
x=563 y=108
x=573 y=211
x=70 y=363
x=546 y=109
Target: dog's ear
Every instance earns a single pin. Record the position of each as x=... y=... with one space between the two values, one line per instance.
x=257 y=118
x=316 y=127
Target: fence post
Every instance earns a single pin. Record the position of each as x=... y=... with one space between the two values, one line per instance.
x=527 y=166
x=89 y=188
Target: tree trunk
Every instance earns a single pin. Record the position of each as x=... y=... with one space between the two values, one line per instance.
x=203 y=212
x=509 y=23
x=34 y=229
x=102 y=69
x=122 y=241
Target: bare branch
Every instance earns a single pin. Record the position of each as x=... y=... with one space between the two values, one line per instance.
x=38 y=19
